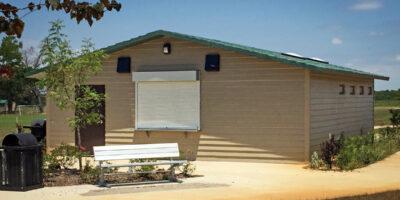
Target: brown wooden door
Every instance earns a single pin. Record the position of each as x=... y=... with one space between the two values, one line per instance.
x=94 y=135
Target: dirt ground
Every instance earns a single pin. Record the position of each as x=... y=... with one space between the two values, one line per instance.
x=235 y=180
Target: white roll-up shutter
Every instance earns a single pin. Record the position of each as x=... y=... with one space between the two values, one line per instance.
x=168 y=105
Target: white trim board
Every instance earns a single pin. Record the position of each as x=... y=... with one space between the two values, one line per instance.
x=165 y=76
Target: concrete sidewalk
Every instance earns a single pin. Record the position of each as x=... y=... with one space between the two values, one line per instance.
x=234 y=180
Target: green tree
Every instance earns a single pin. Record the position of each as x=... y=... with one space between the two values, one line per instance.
x=12 y=79
x=32 y=59
x=67 y=76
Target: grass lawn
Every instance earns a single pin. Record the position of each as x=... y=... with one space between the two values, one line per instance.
x=8 y=122
x=381 y=111
x=382 y=116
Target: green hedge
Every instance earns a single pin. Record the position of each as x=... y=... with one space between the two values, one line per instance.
x=359 y=151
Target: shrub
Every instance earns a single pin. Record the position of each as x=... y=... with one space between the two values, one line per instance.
x=315 y=162
x=144 y=168
x=188 y=169
x=359 y=151
x=330 y=149
x=63 y=157
x=395 y=119
x=50 y=164
x=89 y=173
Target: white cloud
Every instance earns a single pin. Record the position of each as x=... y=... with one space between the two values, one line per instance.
x=397 y=57
x=336 y=41
x=376 y=33
x=365 y=5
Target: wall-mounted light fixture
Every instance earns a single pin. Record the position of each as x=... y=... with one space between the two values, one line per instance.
x=167 y=48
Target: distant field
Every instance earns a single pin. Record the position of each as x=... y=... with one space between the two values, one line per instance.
x=387 y=103
x=8 y=122
x=381 y=113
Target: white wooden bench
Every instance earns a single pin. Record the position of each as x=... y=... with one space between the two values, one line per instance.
x=165 y=153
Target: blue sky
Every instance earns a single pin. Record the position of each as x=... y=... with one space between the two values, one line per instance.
x=362 y=34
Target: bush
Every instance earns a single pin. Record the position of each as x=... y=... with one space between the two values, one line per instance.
x=315 y=162
x=395 y=119
x=359 y=151
x=90 y=174
x=63 y=157
x=144 y=168
x=188 y=169
x=330 y=149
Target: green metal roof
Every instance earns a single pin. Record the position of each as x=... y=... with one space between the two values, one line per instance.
x=260 y=53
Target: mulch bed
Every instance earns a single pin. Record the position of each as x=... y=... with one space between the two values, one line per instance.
x=66 y=177
x=63 y=178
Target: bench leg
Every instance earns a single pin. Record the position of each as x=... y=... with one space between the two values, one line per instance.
x=172 y=175
x=102 y=182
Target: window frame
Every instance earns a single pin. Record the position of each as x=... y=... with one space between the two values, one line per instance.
x=361 y=90
x=166 y=76
x=370 y=90
x=353 y=90
x=342 y=89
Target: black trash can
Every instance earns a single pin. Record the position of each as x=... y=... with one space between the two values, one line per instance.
x=38 y=129
x=21 y=163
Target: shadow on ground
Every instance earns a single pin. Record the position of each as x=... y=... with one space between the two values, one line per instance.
x=151 y=188
x=389 y=195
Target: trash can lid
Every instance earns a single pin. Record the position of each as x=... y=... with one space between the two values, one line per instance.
x=39 y=123
x=19 y=139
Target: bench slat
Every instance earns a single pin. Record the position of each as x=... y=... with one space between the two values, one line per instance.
x=144 y=164
x=123 y=152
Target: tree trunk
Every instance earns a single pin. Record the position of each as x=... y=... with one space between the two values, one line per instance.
x=10 y=107
x=78 y=134
x=36 y=91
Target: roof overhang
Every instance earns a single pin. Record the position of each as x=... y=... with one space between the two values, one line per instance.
x=259 y=53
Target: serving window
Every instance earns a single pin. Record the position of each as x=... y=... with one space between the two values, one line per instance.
x=167 y=101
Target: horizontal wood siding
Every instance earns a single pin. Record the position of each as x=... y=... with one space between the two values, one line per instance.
x=57 y=129
x=332 y=113
x=252 y=109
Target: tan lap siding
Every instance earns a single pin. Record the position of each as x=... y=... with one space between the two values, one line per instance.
x=119 y=95
x=333 y=113
x=119 y=105
x=57 y=129
x=251 y=110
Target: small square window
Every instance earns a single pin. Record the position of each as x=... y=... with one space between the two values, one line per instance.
x=369 y=90
x=361 y=90
x=353 y=90
x=212 y=62
x=342 y=89
x=124 y=65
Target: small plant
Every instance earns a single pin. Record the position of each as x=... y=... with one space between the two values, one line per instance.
x=359 y=151
x=64 y=156
x=330 y=149
x=89 y=173
x=188 y=169
x=395 y=119
x=316 y=161
x=50 y=164
x=144 y=168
